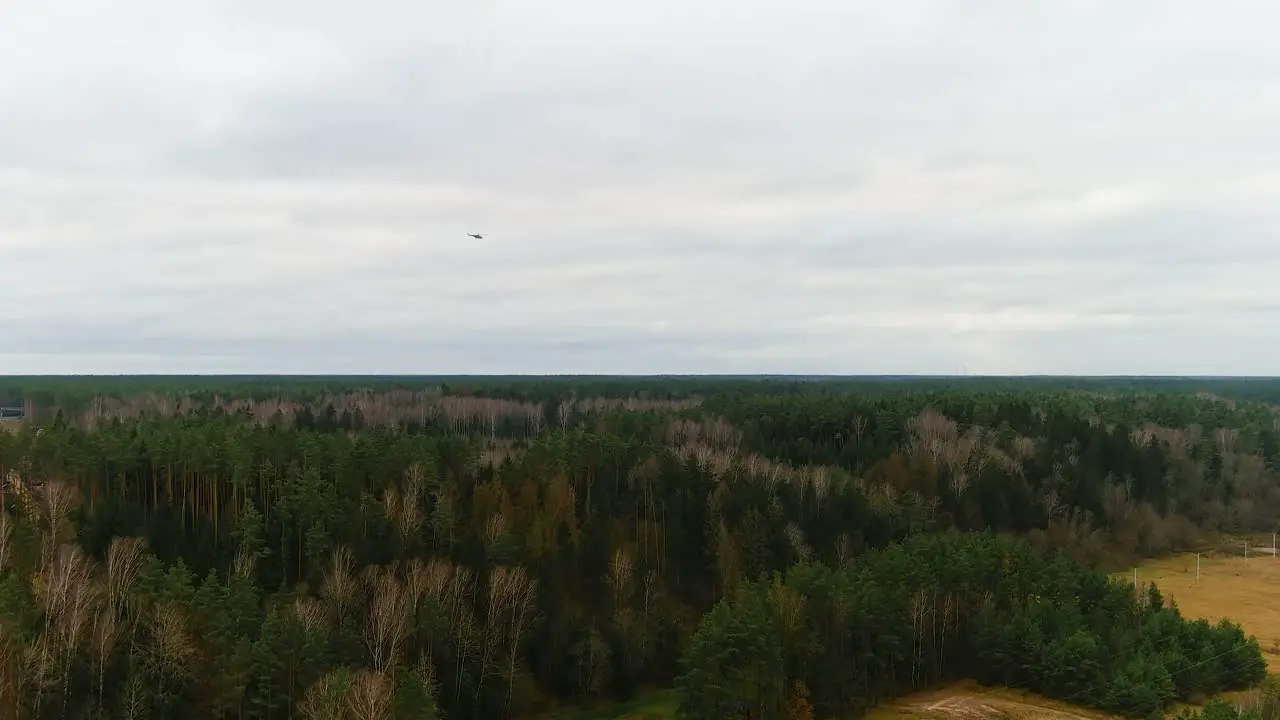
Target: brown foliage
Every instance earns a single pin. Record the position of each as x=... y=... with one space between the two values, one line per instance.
x=798 y=705
x=390 y=408
x=717 y=434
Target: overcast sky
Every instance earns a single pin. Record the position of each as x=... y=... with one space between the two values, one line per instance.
x=740 y=186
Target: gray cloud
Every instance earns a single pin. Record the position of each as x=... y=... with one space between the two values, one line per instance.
x=759 y=186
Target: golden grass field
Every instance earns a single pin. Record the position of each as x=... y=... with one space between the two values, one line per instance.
x=1244 y=590
x=10 y=425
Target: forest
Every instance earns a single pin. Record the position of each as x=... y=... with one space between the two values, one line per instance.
x=499 y=547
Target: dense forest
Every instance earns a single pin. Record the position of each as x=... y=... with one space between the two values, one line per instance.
x=495 y=547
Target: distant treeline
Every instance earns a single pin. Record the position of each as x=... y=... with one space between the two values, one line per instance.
x=74 y=392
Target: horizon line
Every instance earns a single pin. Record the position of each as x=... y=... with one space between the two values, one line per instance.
x=782 y=376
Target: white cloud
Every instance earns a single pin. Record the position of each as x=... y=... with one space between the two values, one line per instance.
x=759 y=186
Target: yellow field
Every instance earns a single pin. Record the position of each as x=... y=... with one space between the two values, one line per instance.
x=10 y=425
x=1246 y=591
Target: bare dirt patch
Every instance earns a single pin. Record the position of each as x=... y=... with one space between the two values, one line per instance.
x=970 y=701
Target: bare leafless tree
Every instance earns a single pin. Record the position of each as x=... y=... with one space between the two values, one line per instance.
x=326 y=698
x=931 y=431
x=522 y=604
x=418 y=581
x=795 y=536
x=1051 y=502
x=425 y=669
x=244 y=564
x=790 y=607
x=619 y=577
x=386 y=624
x=125 y=558
x=1024 y=448
x=1227 y=439
x=172 y=647
x=13 y=676
x=1003 y=461
x=369 y=697
x=39 y=671
x=312 y=613
x=69 y=598
x=820 y=481
x=404 y=509
x=495 y=530
x=6 y=540
x=462 y=620
x=339 y=585
x=391 y=504
x=491 y=637
x=844 y=549
x=106 y=631
x=443 y=517
x=57 y=500
x=858 y=428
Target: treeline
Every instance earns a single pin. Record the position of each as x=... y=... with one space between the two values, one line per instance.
x=1123 y=475
x=225 y=555
x=836 y=640
x=73 y=394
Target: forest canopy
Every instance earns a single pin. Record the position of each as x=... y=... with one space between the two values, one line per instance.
x=495 y=547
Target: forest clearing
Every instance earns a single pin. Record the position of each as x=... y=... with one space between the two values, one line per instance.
x=1244 y=590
